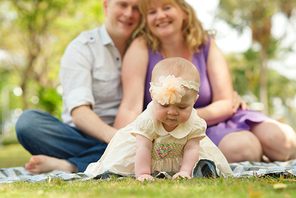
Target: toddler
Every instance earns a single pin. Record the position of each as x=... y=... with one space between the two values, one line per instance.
x=168 y=135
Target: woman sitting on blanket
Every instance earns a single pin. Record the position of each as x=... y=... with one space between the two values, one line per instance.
x=170 y=29
x=170 y=136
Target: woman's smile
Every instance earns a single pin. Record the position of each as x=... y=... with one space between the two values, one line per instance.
x=163 y=24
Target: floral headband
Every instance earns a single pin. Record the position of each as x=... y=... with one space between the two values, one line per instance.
x=170 y=89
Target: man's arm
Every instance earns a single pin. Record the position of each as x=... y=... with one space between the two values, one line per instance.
x=87 y=121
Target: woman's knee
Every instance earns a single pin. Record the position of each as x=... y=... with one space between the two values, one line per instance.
x=241 y=146
x=278 y=140
x=284 y=148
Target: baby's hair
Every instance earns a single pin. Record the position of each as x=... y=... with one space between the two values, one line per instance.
x=179 y=67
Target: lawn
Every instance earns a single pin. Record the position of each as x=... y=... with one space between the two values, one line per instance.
x=15 y=155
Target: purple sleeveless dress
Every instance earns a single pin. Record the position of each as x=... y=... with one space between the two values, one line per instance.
x=241 y=120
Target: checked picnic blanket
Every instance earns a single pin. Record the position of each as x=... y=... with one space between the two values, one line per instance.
x=242 y=169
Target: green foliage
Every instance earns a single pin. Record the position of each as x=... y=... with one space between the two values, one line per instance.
x=51 y=100
x=239 y=14
x=245 y=73
x=35 y=34
x=257 y=16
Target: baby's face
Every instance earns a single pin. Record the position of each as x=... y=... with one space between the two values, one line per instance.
x=171 y=115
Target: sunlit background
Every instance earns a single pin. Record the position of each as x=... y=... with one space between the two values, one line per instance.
x=40 y=85
x=229 y=40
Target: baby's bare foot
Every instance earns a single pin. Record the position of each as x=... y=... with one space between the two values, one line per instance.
x=42 y=163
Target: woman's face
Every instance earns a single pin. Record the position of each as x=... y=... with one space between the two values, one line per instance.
x=164 y=20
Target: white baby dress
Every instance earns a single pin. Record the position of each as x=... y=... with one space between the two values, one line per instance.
x=167 y=150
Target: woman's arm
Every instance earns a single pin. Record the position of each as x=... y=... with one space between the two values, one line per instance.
x=190 y=157
x=143 y=158
x=219 y=76
x=134 y=69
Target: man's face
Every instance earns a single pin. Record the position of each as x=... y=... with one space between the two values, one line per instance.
x=123 y=17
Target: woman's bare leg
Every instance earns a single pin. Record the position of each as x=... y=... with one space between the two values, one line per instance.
x=241 y=146
x=278 y=140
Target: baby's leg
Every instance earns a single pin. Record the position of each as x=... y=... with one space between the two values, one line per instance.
x=241 y=146
x=278 y=140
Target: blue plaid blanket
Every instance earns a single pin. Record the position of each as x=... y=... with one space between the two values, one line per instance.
x=242 y=169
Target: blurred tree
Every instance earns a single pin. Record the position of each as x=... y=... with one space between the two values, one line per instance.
x=257 y=15
x=245 y=73
x=35 y=33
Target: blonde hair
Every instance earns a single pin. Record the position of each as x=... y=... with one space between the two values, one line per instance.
x=192 y=30
x=179 y=67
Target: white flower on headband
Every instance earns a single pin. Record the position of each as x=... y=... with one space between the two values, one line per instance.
x=169 y=90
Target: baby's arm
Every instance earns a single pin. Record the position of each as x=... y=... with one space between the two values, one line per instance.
x=190 y=157
x=143 y=158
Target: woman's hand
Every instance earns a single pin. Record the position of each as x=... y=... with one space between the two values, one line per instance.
x=144 y=177
x=237 y=102
x=182 y=174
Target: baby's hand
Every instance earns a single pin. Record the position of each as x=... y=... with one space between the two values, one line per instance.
x=183 y=174
x=144 y=177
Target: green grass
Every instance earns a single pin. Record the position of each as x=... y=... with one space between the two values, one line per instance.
x=197 y=187
x=15 y=155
